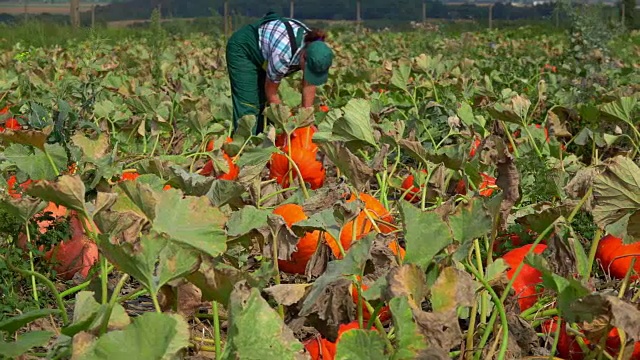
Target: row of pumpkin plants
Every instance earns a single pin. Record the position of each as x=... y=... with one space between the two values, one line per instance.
x=297 y=161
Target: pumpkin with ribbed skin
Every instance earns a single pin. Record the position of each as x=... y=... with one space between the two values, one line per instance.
x=528 y=278
x=234 y=170
x=362 y=223
x=615 y=257
x=300 y=138
x=11 y=124
x=306 y=247
x=303 y=154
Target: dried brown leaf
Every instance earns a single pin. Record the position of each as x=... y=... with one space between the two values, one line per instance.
x=441 y=329
x=287 y=294
x=407 y=280
x=334 y=306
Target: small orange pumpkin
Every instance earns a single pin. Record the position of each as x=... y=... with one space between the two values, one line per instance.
x=615 y=257
x=306 y=247
x=414 y=194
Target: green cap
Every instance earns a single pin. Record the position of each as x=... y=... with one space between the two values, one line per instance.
x=317 y=63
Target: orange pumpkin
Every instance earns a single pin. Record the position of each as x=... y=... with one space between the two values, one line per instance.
x=414 y=194
x=11 y=124
x=234 y=170
x=528 y=278
x=303 y=154
x=306 y=247
x=487 y=186
x=328 y=348
x=301 y=138
x=615 y=257
x=77 y=254
x=12 y=190
x=362 y=223
x=474 y=146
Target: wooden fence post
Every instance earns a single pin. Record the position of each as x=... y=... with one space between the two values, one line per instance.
x=226 y=18
x=358 y=17
x=291 y=9
x=424 y=11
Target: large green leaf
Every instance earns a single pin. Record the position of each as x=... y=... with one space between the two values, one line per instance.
x=423 y=242
x=154 y=261
x=355 y=124
x=621 y=109
x=35 y=162
x=190 y=221
x=256 y=331
x=150 y=336
x=22 y=208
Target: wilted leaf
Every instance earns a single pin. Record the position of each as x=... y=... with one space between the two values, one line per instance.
x=440 y=329
x=216 y=280
x=449 y=155
x=616 y=194
x=360 y=344
x=287 y=294
x=150 y=336
x=35 y=138
x=92 y=149
x=356 y=170
x=281 y=235
x=67 y=191
x=452 y=289
x=419 y=251
x=515 y=111
x=22 y=208
x=470 y=221
x=616 y=312
x=256 y=330
x=329 y=297
x=407 y=281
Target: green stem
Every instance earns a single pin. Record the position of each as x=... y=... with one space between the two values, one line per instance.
x=592 y=252
x=112 y=303
x=53 y=164
x=216 y=330
x=556 y=339
x=33 y=279
x=154 y=298
x=500 y=310
x=484 y=306
x=277 y=270
x=48 y=283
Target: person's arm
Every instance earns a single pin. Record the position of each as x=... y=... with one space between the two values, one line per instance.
x=308 y=94
x=271 y=91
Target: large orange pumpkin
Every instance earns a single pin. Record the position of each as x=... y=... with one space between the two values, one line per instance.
x=303 y=154
x=363 y=225
x=615 y=257
x=306 y=247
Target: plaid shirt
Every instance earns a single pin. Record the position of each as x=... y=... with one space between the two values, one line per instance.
x=276 y=49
